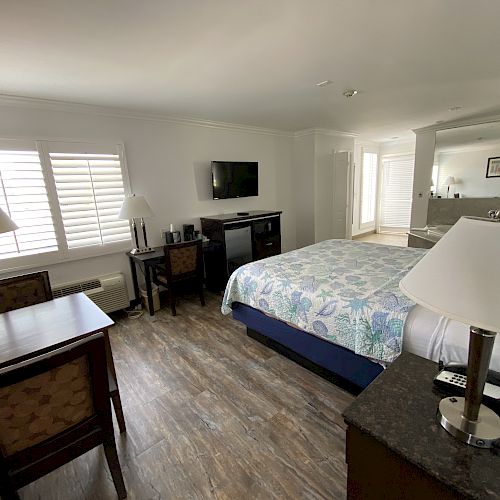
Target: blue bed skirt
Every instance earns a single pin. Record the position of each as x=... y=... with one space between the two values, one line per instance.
x=353 y=368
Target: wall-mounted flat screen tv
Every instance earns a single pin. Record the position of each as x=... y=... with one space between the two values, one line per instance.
x=235 y=179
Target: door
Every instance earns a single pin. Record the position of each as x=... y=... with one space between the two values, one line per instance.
x=343 y=192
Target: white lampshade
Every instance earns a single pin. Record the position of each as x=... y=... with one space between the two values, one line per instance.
x=135 y=207
x=450 y=181
x=6 y=223
x=460 y=276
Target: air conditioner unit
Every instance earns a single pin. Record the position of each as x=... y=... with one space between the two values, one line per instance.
x=109 y=292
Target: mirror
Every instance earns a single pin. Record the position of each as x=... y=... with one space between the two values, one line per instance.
x=461 y=159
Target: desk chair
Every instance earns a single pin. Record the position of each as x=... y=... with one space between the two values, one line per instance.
x=30 y=289
x=54 y=408
x=25 y=290
x=183 y=263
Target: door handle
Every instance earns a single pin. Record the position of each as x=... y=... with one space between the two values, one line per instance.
x=269 y=244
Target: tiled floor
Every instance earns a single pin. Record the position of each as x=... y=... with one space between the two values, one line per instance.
x=398 y=240
x=211 y=413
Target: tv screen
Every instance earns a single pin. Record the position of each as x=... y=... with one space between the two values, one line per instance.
x=235 y=179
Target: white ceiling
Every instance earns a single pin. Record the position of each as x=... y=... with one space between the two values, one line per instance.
x=256 y=62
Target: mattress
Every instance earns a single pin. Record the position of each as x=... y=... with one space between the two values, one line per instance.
x=313 y=289
x=344 y=291
x=437 y=338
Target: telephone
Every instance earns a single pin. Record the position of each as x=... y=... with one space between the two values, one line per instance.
x=453 y=377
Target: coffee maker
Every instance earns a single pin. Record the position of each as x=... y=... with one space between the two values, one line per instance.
x=188 y=230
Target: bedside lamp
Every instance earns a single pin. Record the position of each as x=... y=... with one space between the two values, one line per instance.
x=460 y=278
x=136 y=207
x=450 y=181
x=6 y=223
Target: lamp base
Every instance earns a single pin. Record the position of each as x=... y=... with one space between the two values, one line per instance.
x=481 y=433
x=139 y=251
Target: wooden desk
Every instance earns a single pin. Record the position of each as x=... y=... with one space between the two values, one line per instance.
x=148 y=260
x=31 y=331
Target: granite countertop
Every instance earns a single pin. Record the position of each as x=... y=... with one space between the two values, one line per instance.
x=399 y=410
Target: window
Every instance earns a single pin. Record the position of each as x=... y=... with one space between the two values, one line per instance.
x=368 y=188
x=23 y=196
x=65 y=198
x=90 y=193
x=396 y=195
x=435 y=177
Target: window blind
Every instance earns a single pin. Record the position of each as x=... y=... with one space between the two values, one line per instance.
x=90 y=192
x=397 y=189
x=23 y=196
x=368 y=187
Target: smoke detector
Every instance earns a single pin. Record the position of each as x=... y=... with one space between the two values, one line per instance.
x=349 y=93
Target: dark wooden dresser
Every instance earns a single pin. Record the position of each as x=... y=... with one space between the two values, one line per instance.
x=238 y=239
x=395 y=449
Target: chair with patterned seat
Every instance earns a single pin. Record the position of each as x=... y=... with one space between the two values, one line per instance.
x=183 y=264
x=25 y=290
x=54 y=408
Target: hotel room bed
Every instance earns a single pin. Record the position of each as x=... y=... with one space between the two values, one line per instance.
x=337 y=304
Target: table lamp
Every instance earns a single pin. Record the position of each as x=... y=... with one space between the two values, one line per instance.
x=136 y=207
x=450 y=181
x=460 y=278
x=6 y=223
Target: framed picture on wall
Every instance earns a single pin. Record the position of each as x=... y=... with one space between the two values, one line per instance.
x=493 y=168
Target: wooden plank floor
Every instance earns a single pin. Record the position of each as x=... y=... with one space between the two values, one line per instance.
x=211 y=413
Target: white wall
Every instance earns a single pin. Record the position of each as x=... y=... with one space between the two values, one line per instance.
x=422 y=179
x=303 y=189
x=313 y=183
x=170 y=164
x=324 y=146
x=401 y=147
x=469 y=169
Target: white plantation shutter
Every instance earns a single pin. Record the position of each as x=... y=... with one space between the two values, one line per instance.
x=90 y=190
x=23 y=196
x=397 y=189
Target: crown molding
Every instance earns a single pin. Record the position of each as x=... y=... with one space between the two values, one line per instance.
x=324 y=131
x=483 y=146
x=464 y=122
x=70 y=107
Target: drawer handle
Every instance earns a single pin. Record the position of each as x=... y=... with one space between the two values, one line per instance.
x=269 y=244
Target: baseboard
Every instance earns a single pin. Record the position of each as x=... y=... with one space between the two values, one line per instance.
x=361 y=235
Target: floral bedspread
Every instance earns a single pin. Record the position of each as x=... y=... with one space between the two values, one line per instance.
x=344 y=291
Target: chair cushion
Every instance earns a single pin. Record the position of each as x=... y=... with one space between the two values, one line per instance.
x=183 y=260
x=21 y=294
x=42 y=406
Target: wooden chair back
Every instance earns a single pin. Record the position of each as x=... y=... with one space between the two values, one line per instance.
x=183 y=261
x=53 y=408
x=25 y=290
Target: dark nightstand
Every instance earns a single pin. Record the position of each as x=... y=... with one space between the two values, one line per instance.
x=396 y=449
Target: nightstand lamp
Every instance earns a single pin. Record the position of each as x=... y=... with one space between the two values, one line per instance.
x=450 y=181
x=136 y=207
x=6 y=223
x=460 y=278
